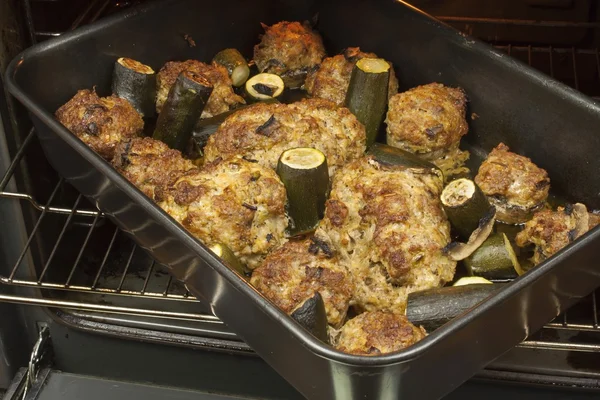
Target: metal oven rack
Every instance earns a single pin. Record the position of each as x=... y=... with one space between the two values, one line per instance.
x=93 y=267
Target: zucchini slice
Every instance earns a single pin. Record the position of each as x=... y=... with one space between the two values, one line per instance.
x=304 y=173
x=187 y=98
x=264 y=87
x=458 y=251
x=313 y=317
x=225 y=254
x=433 y=308
x=367 y=95
x=136 y=83
x=465 y=205
x=495 y=259
x=388 y=155
x=236 y=65
x=472 y=280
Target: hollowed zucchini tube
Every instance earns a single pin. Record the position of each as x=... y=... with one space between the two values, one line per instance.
x=236 y=65
x=465 y=205
x=367 y=94
x=304 y=173
x=187 y=98
x=264 y=87
x=136 y=83
x=495 y=259
x=388 y=155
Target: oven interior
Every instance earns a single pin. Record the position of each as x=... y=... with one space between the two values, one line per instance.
x=60 y=253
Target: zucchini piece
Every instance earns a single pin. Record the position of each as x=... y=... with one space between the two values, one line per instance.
x=458 y=251
x=367 y=95
x=495 y=259
x=187 y=98
x=389 y=155
x=472 y=280
x=465 y=205
x=433 y=308
x=204 y=128
x=225 y=254
x=264 y=87
x=136 y=83
x=236 y=65
x=313 y=317
x=304 y=173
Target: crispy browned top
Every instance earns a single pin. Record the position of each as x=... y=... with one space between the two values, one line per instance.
x=288 y=46
x=298 y=269
x=331 y=78
x=388 y=223
x=427 y=118
x=222 y=98
x=378 y=332
x=234 y=202
x=100 y=122
x=263 y=131
x=150 y=165
x=512 y=177
x=549 y=231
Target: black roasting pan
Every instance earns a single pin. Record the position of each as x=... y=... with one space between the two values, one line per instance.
x=556 y=126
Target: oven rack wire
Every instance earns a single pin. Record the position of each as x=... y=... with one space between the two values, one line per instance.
x=124 y=270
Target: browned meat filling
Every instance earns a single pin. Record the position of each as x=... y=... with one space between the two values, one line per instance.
x=100 y=122
x=429 y=120
x=330 y=80
x=378 y=332
x=222 y=98
x=513 y=183
x=297 y=270
x=263 y=131
x=289 y=49
x=150 y=165
x=234 y=202
x=389 y=224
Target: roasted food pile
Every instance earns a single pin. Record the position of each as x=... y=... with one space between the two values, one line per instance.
x=360 y=242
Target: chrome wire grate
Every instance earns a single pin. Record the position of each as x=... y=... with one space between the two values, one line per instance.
x=90 y=257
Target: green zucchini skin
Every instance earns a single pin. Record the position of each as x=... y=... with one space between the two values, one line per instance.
x=236 y=65
x=137 y=87
x=229 y=259
x=388 y=155
x=306 y=192
x=367 y=98
x=313 y=317
x=492 y=260
x=465 y=217
x=433 y=308
x=183 y=107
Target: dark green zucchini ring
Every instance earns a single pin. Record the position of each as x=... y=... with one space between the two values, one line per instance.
x=433 y=308
x=495 y=260
x=236 y=65
x=304 y=173
x=311 y=314
x=230 y=259
x=187 y=98
x=389 y=155
x=367 y=95
x=465 y=205
x=458 y=251
x=264 y=87
x=136 y=83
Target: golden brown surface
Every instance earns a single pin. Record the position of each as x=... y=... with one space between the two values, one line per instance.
x=549 y=231
x=429 y=120
x=150 y=165
x=388 y=225
x=331 y=78
x=262 y=132
x=236 y=203
x=100 y=122
x=222 y=98
x=513 y=184
x=287 y=48
x=298 y=269
x=377 y=332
